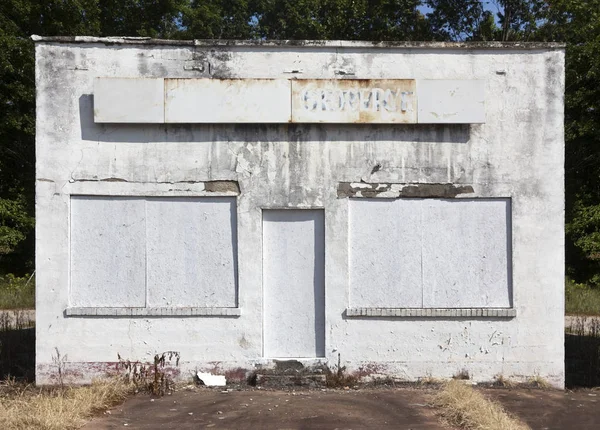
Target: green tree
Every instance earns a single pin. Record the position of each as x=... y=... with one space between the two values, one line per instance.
x=342 y=19
x=577 y=22
x=19 y=19
x=17 y=150
x=145 y=18
x=457 y=19
x=519 y=19
x=219 y=19
x=514 y=20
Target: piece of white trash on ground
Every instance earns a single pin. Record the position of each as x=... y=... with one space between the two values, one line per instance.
x=211 y=380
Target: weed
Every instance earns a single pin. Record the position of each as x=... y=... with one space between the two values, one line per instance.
x=463 y=375
x=59 y=362
x=430 y=381
x=538 y=382
x=17 y=292
x=581 y=299
x=503 y=382
x=338 y=378
x=151 y=377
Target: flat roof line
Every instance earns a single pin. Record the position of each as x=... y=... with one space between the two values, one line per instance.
x=299 y=43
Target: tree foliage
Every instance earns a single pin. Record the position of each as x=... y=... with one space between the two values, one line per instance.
x=576 y=22
x=341 y=19
x=17 y=151
x=457 y=19
x=221 y=19
x=501 y=20
x=19 y=19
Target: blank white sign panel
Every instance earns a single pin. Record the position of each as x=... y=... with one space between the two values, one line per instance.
x=294 y=283
x=227 y=101
x=129 y=100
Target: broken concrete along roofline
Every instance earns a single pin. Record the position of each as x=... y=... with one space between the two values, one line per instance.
x=300 y=43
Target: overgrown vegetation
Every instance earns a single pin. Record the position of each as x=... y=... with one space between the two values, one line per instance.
x=25 y=407
x=430 y=381
x=462 y=375
x=153 y=377
x=502 y=381
x=338 y=377
x=537 y=381
x=17 y=292
x=581 y=299
x=466 y=408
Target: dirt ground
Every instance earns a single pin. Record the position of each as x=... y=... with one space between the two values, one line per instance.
x=404 y=408
x=260 y=409
x=551 y=409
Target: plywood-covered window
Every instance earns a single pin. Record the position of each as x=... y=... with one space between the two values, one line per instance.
x=153 y=252
x=430 y=253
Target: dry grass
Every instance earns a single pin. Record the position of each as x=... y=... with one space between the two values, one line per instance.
x=538 y=382
x=504 y=382
x=466 y=408
x=430 y=381
x=28 y=407
x=581 y=299
x=17 y=293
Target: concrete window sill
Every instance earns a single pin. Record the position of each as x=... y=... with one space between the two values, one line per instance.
x=431 y=313
x=152 y=312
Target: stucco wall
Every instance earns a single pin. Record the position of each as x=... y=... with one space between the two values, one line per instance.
x=516 y=155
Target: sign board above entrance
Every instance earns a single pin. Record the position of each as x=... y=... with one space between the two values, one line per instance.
x=354 y=101
x=371 y=101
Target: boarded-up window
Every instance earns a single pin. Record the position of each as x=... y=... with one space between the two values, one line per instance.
x=430 y=253
x=153 y=252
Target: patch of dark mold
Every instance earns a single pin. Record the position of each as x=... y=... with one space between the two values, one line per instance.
x=376 y=168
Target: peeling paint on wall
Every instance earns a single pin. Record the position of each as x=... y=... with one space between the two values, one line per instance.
x=518 y=154
x=361 y=189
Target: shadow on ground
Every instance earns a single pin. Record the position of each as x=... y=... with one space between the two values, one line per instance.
x=582 y=352
x=582 y=361
x=17 y=346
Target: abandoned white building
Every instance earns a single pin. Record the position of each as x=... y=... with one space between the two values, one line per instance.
x=396 y=205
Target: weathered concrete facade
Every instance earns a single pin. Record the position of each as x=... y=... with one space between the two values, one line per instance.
x=408 y=250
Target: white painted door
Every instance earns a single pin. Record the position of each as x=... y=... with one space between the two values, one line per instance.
x=294 y=283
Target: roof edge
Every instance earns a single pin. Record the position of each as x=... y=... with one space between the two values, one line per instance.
x=298 y=43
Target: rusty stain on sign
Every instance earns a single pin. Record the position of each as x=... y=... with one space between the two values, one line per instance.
x=354 y=101
x=368 y=101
